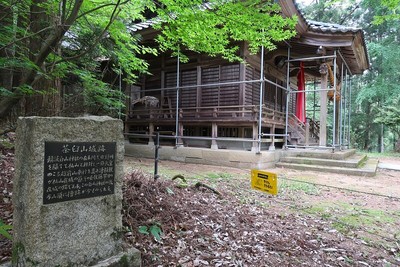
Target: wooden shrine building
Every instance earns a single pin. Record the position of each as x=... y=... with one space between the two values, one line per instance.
x=212 y=103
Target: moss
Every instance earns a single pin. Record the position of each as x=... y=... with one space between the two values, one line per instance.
x=17 y=250
x=124 y=262
x=119 y=232
x=6 y=144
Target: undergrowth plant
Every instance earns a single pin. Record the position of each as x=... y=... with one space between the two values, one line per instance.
x=4 y=230
x=154 y=230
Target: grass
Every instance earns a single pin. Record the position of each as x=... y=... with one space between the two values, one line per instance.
x=389 y=154
x=285 y=186
x=323 y=209
x=347 y=217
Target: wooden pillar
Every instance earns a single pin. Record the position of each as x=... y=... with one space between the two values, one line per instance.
x=272 y=145
x=254 y=147
x=151 y=132
x=180 y=133
x=241 y=132
x=323 y=104
x=214 y=134
x=307 y=137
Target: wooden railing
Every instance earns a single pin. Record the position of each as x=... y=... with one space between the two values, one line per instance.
x=234 y=113
x=314 y=128
x=296 y=129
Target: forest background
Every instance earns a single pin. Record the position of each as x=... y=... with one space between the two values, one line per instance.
x=47 y=45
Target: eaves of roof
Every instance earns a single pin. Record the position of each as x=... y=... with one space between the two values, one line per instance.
x=143 y=25
x=304 y=26
x=315 y=27
x=323 y=27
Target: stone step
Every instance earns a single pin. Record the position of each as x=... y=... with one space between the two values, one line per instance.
x=352 y=162
x=367 y=169
x=319 y=153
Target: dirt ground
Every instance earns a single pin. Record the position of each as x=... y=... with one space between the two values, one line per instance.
x=214 y=218
x=349 y=220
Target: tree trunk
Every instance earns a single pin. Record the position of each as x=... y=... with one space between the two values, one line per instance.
x=397 y=149
x=367 y=127
x=38 y=48
x=6 y=16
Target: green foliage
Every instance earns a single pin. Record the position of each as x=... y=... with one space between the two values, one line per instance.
x=154 y=230
x=390 y=115
x=333 y=11
x=143 y=230
x=47 y=40
x=4 y=230
x=210 y=29
x=391 y=12
x=373 y=92
x=100 y=97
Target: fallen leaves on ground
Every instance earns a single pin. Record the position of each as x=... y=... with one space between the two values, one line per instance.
x=202 y=229
x=7 y=170
x=239 y=227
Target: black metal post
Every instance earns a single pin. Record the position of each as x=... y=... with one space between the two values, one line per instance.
x=157 y=146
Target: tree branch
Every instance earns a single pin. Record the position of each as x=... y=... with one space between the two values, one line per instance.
x=26 y=37
x=100 y=7
x=45 y=50
x=348 y=15
x=63 y=10
x=98 y=39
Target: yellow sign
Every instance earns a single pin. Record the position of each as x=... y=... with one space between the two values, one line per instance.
x=264 y=181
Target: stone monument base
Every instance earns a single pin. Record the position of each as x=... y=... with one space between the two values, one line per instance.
x=129 y=258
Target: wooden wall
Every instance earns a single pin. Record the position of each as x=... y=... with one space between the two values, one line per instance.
x=205 y=96
x=203 y=70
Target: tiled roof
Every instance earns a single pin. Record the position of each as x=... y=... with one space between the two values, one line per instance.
x=143 y=25
x=314 y=26
x=317 y=26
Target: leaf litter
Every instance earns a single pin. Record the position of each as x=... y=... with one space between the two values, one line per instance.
x=201 y=228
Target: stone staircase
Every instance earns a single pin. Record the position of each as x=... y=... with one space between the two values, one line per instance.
x=346 y=162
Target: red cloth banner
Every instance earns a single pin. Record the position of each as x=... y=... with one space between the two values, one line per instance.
x=301 y=97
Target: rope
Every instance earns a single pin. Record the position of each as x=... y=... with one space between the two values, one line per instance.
x=339 y=188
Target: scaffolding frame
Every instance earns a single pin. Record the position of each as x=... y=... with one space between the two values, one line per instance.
x=341 y=124
x=344 y=105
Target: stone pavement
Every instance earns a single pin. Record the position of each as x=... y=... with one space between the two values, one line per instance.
x=389 y=166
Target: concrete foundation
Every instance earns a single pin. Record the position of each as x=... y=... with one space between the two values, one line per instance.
x=220 y=157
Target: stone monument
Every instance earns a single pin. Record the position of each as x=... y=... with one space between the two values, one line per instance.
x=68 y=193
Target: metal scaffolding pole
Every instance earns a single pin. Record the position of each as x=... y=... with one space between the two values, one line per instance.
x=261 y=99
x=314 y=94
x=345 y=138
x=196 y=86
x=287 y=97
x=334 y=102
x=177 y=101
x=348 y=130
x=310 y=58
x=347 y=66
x=341 y=110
